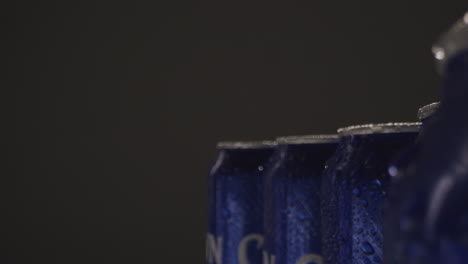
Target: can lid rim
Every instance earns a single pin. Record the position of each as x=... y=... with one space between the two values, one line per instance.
x=380 y=128
x=308 y=139
x=428 y=110
x=245 y=144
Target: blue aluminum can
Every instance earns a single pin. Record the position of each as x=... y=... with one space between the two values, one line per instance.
x=235 y=203
x=434 y=213
x=292 y=199
x=401 y=182
x=354 y=188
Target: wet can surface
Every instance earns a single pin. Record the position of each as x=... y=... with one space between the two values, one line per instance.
x=354 y=189
x=292 y=199
x=235 y=203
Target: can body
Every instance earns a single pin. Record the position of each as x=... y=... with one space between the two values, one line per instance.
x=292 y=200
x=354 y=190
x=435 y=212
x=400 y=164
x=402 y=182
x=446 y=219
x=235 y=204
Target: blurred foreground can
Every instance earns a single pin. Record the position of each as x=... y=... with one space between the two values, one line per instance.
x=292 y=199
x=434 y=215
x=235 y=203
x=354 y=188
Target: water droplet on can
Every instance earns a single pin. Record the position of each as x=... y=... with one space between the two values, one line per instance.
x=367 y=248
x=377 y=183
x=356 y=191
x=226 y=212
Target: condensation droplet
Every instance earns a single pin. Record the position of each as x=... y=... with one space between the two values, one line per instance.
x=367 y=248
x=226 y=212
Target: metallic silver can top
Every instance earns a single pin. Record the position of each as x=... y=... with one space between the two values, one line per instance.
x=245 y=144
x=451 y=43
x=382 y=128
x=308 y=139
x=427 y=110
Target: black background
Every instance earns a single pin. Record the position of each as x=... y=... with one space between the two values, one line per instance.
x=116 y=107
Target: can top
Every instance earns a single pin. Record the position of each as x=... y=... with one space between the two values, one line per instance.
x=245 y=144
x=308 y=139
x=380 y=128
x=451 y=43
x=427 y=110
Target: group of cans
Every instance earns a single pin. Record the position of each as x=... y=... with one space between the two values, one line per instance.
x=334 y=198
x=300 y=199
